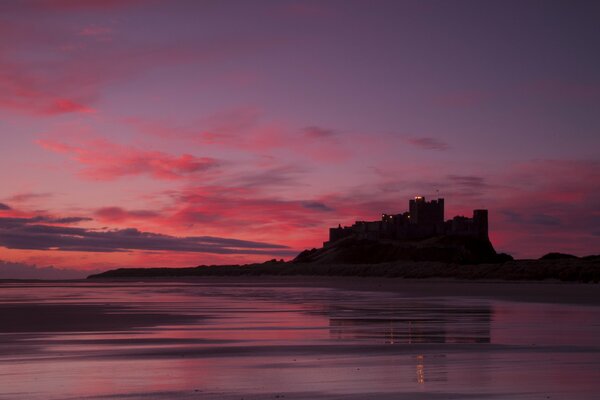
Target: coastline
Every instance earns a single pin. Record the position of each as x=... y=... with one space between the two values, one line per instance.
x=526 y=291
x=586 y=270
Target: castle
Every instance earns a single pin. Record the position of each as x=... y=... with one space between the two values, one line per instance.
x=423 y=220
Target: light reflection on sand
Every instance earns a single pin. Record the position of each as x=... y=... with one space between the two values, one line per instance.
x=231 y=341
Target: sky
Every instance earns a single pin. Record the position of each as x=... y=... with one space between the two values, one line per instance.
x=179 y=133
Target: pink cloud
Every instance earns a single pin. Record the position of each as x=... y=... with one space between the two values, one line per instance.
x=33 y=85
x=247 y=129
x=214 y=210
x=250 y=134
x=61 y=106
x=50 y=69
x=23 y=91
x=103 y=160
x=249 y=211
x=118 y=214
x=242 y=128
x=298 y=223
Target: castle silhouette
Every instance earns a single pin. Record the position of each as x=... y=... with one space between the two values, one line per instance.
x=424 y=219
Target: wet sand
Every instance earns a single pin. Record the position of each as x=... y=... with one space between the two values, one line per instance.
x=539 y=292
x=299 y=338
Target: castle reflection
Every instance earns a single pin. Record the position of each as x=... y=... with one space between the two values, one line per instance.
x=413 y=323
x=420 y=369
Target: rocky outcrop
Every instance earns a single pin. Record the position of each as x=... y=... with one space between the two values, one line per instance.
x=446 y=249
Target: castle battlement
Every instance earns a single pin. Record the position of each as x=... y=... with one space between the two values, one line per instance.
x=423 y=220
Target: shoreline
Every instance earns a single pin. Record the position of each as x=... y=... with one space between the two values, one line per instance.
x=556 y=292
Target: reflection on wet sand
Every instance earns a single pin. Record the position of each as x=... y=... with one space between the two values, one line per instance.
x=414 y=323
x=173 y=340
x=420 y=369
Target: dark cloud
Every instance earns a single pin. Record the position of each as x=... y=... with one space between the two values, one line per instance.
x=545 y=219
x=315 y=132
x=105 y=160
x=317 y=206
x=428 y=143
x=286 y=175
x=29 y=233
x=4 y=207
x=65 y=220
x=511 y=216
x=41 y=219
x=465 y=187
x=468 y=181
x=23 y=197
x=524 y=219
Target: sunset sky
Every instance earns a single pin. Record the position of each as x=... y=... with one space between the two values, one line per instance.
x=179 y=133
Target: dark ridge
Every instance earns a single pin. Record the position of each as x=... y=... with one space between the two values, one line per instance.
x=570 y=270
x=593 y=257
x=557 y=256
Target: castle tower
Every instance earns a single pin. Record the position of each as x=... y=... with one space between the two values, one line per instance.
x=426 y=213
x=480 y=223
x=440 y=211
x=414 y=206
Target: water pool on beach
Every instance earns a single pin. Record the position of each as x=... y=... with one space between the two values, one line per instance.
x=262 y=341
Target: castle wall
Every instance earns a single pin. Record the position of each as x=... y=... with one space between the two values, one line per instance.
x=424 y=219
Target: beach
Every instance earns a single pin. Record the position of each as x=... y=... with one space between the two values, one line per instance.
x=299 y=338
